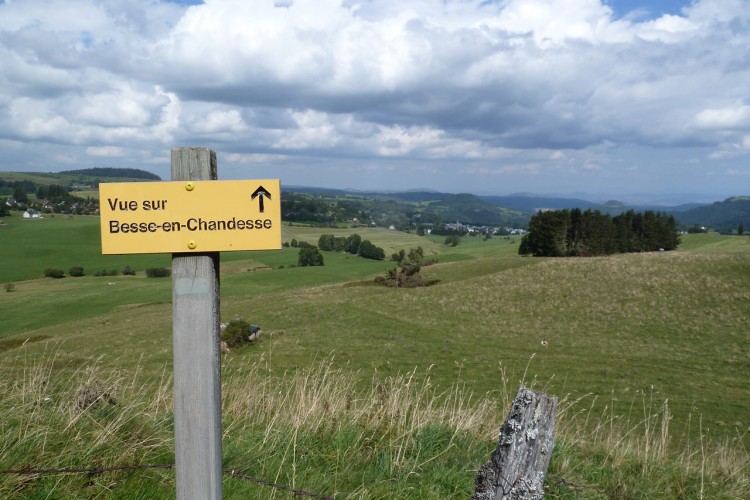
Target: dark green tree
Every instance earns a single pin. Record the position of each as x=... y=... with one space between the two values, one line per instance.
x=398 y=257
x=548 y=233
x=309 y=256
x=590 y=233
x=524 y=248
x=741 y=229
x=452 y=240
x=599 y=235
x=20 y=194
x=326 y=242
x=352 y=244
x=368 y=250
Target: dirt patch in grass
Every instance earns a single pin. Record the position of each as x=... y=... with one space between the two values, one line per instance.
x=8 y=344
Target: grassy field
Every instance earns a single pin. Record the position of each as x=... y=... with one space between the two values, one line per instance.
x=639 y=347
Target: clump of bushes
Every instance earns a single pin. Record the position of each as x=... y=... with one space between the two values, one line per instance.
x=51 y=272
x=127 y=271
x=76 y=271
x=352 y=244
x=452 y=240
x=104 y=272
x=238 y=332
x=406 y=275
x=309 y=256
x=158 y=272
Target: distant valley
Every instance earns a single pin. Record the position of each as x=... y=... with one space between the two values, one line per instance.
x=401 y=209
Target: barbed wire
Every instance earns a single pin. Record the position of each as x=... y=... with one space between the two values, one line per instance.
x=29 y=471
x=236 y=474
x=573 y=486
x=297 y=492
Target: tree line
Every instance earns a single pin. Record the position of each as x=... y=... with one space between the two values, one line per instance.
x=128 y=173
x=353 y=244
x=564 y=233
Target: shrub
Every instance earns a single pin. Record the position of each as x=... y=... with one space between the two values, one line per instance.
x=238 y=332
x=406 y=275
x=369 y=251
x=453 y=240
x=158 y=272
x=54 y=273
x=128 y=271
x=76 y=271
x=9 y=287
x=309 y=256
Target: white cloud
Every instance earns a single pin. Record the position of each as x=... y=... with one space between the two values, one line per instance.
x=313 y=130
x=727 y=118
x=522 y=169
x=252 y=158
x=229 y=120
x=497 y=87
x=105 y=151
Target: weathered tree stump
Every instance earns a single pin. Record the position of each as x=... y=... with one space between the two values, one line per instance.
x=518 y=465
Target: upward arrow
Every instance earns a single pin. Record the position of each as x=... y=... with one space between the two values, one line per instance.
x=260 y=193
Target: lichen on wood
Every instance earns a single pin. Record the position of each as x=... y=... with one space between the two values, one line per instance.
x=519 y=464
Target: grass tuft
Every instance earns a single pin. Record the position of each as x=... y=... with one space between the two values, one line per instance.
x=316 y=429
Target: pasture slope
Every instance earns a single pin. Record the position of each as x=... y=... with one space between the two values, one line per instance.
x=366 y=392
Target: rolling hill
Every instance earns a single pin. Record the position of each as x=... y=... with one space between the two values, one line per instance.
x=723 y=216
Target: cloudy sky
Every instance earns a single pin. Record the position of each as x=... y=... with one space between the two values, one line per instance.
x=614 y=98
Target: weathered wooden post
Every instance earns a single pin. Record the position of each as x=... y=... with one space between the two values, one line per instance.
x=193 y=217
x=195 y=338
x=519 y=464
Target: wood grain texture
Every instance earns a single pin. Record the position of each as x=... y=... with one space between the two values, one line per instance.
x=197 y=362
x=519 y=464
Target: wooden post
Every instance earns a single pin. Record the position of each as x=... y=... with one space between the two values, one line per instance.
x=195 y=338
x=518 y=465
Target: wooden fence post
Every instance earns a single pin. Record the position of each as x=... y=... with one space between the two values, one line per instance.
x=518 y=465
x=195 y=338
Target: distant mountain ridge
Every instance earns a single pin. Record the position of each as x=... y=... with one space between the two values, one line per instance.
x=524 y=202
x=515 y=209
x=129 y=173
x=724 y=216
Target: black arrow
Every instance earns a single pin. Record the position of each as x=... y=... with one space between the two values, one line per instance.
x=260 y=193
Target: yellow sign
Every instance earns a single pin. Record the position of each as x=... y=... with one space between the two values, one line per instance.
x=190 y=216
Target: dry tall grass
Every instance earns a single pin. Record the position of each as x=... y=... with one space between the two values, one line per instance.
x=315 y=428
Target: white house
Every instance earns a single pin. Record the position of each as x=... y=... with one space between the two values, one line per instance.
x=32 y=214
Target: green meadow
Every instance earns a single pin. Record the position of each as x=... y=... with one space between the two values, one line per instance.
x=360 y=391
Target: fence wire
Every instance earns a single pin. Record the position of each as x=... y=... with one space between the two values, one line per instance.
x=29 y=471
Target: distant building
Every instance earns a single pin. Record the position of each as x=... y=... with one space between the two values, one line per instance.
x=32 y=214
